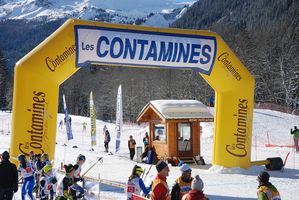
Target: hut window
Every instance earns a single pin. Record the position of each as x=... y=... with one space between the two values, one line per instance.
x=159 y=133
x=184 y=136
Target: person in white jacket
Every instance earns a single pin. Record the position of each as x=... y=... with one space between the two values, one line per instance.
x=27 y=173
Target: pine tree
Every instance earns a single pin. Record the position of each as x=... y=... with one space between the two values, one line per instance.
x=4 y=77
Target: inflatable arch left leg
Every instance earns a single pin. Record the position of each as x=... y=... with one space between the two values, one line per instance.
x=39 y=74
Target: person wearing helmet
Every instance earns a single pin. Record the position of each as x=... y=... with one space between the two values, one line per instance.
x=78 y=167
x=32 y=158
x=64 y=190
x=135 y=183
x=45 y=159
x=45 y=184
x=38 y=165
x=266 y=191
x=27 y=173
x=76 y=189
x=8 y=178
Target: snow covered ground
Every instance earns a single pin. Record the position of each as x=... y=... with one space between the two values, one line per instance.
x=219 y=183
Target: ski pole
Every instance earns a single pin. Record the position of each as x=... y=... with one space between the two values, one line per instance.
x=99 y=160
x=147 y=172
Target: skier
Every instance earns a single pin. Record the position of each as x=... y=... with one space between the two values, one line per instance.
x=38 y=165
x=65 y=182
x=196 y=193
x=78 y=166
x=106 y=140
x=84 y=126
x=159 y=187
x=45 y=159
x=32 y=158
x=182 y=184
x=47 y=182
x=266 y=191
x=131 y=145
x=77 y=174
x=295 y=134
x=60 y=124
x=8 y=178
x=135 y=183
x=27 y=173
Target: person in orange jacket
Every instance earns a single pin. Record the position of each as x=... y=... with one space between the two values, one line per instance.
x=182 y=184
x=160 y=190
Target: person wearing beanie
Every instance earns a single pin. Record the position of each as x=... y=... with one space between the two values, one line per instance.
x=265 y=189
x=65 y=182
x=8 y=178
x=160 y=190
x=182 y=184
x=135 y=183
x=196 y=193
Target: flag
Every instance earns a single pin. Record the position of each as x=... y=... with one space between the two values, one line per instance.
x=67 y=121
x=119 y=118
x=92 y=121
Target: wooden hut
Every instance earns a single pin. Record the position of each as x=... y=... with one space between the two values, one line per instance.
x=174 y=127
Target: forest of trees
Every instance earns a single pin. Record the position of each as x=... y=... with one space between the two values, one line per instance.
x=263 y=34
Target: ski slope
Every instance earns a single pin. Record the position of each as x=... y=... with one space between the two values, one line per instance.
x=219 y=183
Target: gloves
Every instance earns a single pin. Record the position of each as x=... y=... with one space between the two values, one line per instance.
x=54 y=180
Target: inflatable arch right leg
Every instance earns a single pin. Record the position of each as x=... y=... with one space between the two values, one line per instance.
x=39 y=74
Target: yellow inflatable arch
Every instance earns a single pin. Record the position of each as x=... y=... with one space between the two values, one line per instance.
x=78 y=43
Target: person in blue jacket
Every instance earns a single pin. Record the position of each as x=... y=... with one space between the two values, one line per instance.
x=27 y=173
x=135 y=183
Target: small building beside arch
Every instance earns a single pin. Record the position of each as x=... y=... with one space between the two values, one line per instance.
x=174 y=128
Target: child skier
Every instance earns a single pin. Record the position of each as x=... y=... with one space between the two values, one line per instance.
x=27 y=173
x=46 y=184
x=135 y=183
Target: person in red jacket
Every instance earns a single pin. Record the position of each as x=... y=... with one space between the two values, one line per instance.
x=160 y=190
x=196 y=193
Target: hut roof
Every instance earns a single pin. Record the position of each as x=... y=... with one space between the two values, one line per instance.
x=178 y=109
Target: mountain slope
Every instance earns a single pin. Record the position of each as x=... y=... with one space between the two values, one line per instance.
x=128 y=11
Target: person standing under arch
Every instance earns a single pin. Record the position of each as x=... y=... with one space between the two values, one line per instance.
x=160 y=190
x=131 y=145
x=182 y=184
